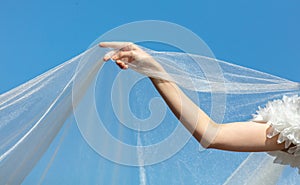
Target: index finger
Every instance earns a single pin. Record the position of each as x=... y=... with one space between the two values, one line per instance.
x=114 y=45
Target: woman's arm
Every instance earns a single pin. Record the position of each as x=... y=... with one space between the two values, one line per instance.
x=242 y=136
x=239 y=136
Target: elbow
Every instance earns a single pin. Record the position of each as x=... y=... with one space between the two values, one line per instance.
x=209 y=138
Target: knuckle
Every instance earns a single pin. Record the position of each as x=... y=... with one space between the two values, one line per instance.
x=129 y=43
x=121 y=54
x=132 y=45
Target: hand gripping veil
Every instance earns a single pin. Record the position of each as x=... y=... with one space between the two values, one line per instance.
x=41 y=144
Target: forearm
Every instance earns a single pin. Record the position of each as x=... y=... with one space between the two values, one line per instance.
x=243 y=136
x=189 y=114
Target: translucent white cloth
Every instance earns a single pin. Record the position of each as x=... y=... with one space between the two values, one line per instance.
x=283 y=115
x=41 y=144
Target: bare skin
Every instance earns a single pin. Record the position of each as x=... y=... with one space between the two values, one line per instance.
x=237 y=136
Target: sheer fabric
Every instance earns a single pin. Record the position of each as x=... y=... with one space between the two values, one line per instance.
x=40 y=142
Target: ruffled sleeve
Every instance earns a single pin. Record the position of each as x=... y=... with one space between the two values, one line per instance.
x=283 y=116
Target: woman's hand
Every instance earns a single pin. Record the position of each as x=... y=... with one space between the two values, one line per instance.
x=127 y=54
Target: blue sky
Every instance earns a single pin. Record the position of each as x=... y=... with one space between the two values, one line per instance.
x=36 y=36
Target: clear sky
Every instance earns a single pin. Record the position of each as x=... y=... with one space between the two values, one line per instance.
x=37 y=35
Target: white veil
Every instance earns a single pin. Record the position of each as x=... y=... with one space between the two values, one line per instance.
x=122 y=139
